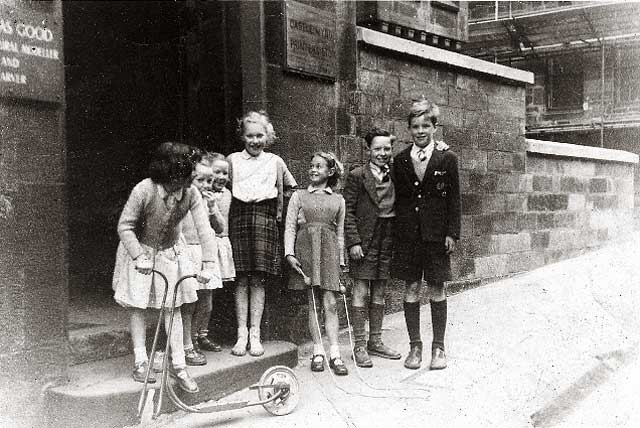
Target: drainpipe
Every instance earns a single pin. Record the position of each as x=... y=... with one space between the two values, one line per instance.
x=602 y=106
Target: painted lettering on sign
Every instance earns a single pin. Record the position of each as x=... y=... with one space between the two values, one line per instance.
x=310 y=34
x=30 y=55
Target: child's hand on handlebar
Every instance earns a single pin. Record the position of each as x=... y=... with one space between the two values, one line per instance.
x=144 y=265
x=204 y=276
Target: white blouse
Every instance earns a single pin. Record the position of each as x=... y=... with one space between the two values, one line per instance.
x=253 y=178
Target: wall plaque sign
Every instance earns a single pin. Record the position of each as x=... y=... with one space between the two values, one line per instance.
x=31 y=64
x=310 y=36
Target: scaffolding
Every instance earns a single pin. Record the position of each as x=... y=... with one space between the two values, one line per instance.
x=508 y=31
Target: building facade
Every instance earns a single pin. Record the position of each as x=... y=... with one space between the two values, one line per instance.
x=585 y=57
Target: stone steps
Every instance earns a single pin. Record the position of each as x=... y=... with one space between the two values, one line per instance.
x=102 y=394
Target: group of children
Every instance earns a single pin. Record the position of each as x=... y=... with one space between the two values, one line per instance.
x=401 y=220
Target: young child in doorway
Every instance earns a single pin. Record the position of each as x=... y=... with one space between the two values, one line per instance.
x=195 y=316
x=149 y=230
x=427 y=227
x=219 y=201
x=258 y=180
x=314 y=246
x=369 y=225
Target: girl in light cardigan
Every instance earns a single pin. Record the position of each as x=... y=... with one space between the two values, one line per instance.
x=149 y=230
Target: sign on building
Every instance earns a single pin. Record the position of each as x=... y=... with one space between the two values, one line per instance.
x=310 y=36
x=31 y=63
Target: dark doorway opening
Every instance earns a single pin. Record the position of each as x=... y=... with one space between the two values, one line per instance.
x=136 y=73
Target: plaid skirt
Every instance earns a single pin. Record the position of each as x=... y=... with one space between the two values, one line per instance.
x=255 y=237
x=377 y=255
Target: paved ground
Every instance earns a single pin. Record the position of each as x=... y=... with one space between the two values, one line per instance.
x=553 y=347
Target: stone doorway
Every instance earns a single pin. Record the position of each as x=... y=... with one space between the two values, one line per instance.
x=136 y=74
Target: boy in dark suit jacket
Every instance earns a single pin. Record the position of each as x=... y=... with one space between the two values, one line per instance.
x=369 y=196
x=427 y=228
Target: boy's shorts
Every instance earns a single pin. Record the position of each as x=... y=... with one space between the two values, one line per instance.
x=420 y=259
x=377 y=255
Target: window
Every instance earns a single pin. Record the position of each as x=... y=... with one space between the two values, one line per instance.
x=566 y=83
x=627 y=84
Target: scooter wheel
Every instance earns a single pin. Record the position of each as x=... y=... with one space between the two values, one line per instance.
x=287 y=403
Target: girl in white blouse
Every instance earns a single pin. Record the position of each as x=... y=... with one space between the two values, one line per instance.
x=258 y=180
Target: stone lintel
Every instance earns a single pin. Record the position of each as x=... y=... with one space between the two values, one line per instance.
x=577 y=151
x=408 y=47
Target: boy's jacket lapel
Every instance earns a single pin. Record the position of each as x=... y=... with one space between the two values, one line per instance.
x=370 y=183
x=436 y=156
x=404 y=163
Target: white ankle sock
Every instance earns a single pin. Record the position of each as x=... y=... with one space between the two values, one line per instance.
x=334 y=351
x=317 y=350
x=140 y=354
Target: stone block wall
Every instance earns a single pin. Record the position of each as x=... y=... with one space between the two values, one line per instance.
x=577 y=204
x=33 y=257
x=520 y=210
x=482 y=119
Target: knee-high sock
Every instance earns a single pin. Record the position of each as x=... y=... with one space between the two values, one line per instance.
x=412 y=318
x=202 y=314
x=439 y=322
x=376 y=315
x=357 y=318
x=175 y=341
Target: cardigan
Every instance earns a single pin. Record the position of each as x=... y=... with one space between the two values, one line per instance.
x=147 y=220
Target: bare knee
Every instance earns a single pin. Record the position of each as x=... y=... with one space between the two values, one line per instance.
x=412 y=291
x=437 y=292
x=360 y=292
x=378 y=289
x=329 y=303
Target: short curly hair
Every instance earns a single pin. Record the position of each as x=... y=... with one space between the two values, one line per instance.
x=376 y=132
x=260 y=117
x=173 y=161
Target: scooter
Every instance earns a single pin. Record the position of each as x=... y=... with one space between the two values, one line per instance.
x=278 y=388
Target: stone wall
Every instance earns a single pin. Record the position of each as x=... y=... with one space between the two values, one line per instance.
x=33 y=271
x=520 y=210
x=481 y=119
x=580 y=198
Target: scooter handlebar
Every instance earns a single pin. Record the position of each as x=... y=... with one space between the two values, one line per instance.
x=166 y=281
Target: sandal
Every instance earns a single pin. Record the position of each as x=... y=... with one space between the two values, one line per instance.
x=317 y=363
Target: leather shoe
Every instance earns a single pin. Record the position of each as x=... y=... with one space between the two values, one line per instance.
x=208 y=344
x=194 y=358
x=338 y=367
x=414 y=359
x=379 y=349
x=361 y=357
x=438 y=359
x=185 y=382
x=140 y=370
x=317 y=363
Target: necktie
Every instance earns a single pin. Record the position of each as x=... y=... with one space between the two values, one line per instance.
x=385 y=173
x=170 y=201
x=422 y=155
